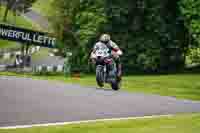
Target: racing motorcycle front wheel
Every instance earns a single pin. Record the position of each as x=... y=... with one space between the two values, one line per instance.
x=100 y=75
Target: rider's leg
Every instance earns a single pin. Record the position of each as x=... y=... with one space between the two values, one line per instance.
x=119 y=69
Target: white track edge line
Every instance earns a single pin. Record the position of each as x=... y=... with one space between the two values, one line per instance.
x=80 y=122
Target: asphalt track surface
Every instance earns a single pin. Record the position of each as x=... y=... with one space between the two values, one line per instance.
x=25 y=101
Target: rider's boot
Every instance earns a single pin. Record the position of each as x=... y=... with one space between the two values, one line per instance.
x=119 y=72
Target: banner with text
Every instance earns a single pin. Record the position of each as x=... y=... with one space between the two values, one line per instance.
x=26 y=36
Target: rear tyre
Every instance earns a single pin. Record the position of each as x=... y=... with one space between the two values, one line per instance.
x=116 y=85
x=100 y=76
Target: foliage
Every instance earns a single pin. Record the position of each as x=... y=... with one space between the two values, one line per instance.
x=152 y=33
x=63 y=21
x=191 y=11
x=194 y=56
x=43 y=7
x=75 y=24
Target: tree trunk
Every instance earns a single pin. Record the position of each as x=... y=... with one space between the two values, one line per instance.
x=6 y=13
x=22 y=53
x=27 y=48
x=9 y=5
x=0 y=4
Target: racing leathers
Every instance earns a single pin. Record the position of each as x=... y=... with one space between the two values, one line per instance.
x=114 y=50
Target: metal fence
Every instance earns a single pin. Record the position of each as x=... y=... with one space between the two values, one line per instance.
x=8 y=54
x=34 y=69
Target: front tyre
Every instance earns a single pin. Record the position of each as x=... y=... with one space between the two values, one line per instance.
x=100 y=76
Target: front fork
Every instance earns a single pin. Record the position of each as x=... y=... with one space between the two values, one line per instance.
x=111 y=72
x=105 y=74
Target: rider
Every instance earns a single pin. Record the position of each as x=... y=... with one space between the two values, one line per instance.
x=116 y=52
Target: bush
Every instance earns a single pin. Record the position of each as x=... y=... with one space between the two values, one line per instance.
x=194 y=56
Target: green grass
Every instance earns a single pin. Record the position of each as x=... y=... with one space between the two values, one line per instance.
x=183 y=86
x=8 y=44
x=43 y=7
x=189 y=123
x=7 y=61
x=19 y=21
x=41 y=54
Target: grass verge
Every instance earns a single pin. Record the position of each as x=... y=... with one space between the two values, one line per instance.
x=17 y=20
x=188 y=123
x=41 y=54
x=43 y=7
x=8 y=44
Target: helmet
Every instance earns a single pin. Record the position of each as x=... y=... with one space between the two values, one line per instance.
x=105 y=38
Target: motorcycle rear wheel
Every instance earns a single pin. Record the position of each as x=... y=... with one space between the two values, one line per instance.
x=116 y=85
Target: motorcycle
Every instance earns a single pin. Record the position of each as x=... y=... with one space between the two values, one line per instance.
x=106 y=69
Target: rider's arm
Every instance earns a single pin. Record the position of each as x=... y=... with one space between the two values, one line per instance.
x=115 y=48
x=92 y=51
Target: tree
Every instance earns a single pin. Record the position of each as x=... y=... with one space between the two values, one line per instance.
x=150 y=32
x=0 y=5
x=194 y=56
x=16 y=5
x=190 y=10
x=75 y=24
x=89 y=20
x=62 y=22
